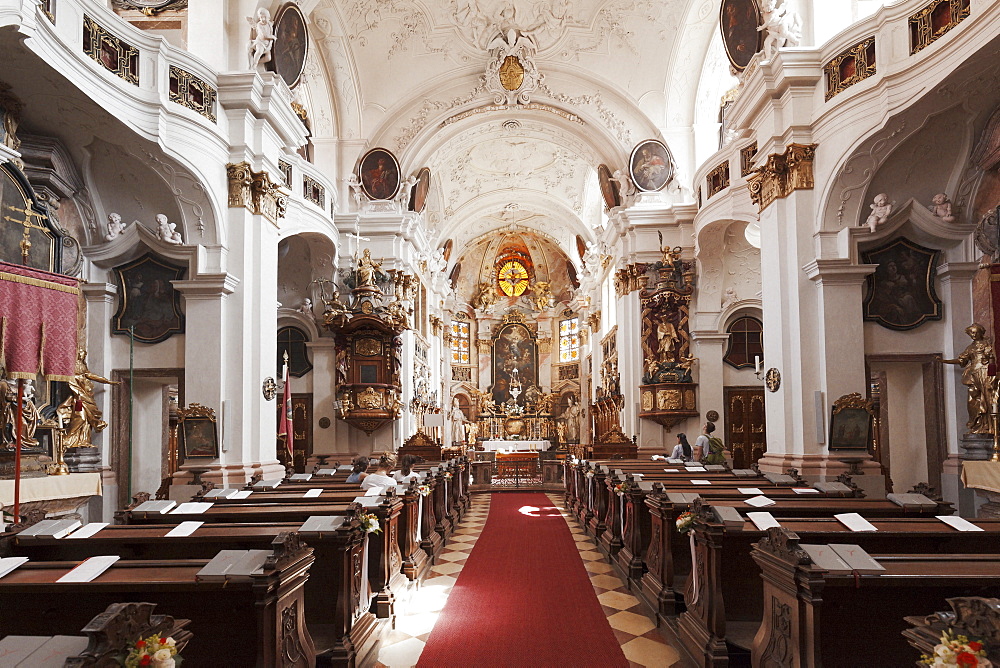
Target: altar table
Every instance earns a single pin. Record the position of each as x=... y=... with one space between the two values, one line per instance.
x=516 y=445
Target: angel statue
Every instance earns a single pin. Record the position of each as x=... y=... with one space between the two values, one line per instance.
x=80 y=408
x=261 y=38
x=783 y=26
x=975 y=361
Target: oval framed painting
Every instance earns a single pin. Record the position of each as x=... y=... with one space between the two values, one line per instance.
x=651 y=165
x=609 y=189
x=291 y=44
x=418 y=196
x=379 y=174
x=738 y=22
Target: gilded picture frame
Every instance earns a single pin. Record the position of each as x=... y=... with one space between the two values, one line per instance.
x=651 y=166
x=379 y=172
x=147 y=299
x=738 y=23
x=609 y=189
x=851 y=422
x=291 y=43
x=200 y=437
x=420 y=190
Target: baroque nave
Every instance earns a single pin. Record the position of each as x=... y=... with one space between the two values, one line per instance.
x=499 y=332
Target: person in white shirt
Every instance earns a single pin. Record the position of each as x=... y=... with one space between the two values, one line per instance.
x=683 y=449
x=381 y=477
x=406 y=463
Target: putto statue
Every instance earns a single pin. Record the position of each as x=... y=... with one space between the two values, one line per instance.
x=115 y=227
x=881 y=208
x=167 y=231
x=975 y=361
x=783 y=26
x=941 y=207
x=261 y=38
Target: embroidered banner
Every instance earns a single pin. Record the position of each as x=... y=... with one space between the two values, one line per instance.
x=38 y=313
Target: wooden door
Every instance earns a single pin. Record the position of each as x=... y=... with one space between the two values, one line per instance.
x=745 y=424
x=302 y=426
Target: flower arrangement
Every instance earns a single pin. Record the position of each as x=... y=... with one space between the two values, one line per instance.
x=448 y=475
x=423 y=490
x=590 y=474
x=957 y=650
x=155 y=652
x=684 y=521
x=369 y=523
x=620 y=488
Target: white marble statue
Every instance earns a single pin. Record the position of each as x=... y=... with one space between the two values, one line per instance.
x=404 y=192
x=881 y=208
x=458 y=419
x=783 y=26
x=115 y=227
x=729 y=298
x=625 y=186
x=941 y=208
x=307 y=307
x=167 y=231
x=261 y=38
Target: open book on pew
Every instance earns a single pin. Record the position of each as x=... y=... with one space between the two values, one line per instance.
x=832 y=487
x=330 y=471
x=224 y=493
x=912 y=501
x=301 y=477
x=233 y=565
x=40 y=651
x=162 y=507
x=267 y=484
x=744 y=473
x=780 y=479
x=51 y=529
x=7 y=564
x=842 y=559
x=715 y=468
x=368 y=501
x=682 y=497
x=322 y=523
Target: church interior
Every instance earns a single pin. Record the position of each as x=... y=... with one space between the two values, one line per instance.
x=499 y=333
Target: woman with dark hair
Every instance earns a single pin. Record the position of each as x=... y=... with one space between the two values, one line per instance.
x=406 y=464
x=381 y=477
x=358 y=473
x=683 y=449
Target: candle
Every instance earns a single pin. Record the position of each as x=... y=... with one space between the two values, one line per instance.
x=756 y=363
x=60 y=420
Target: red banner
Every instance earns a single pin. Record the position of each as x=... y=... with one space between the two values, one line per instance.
x=38 y=313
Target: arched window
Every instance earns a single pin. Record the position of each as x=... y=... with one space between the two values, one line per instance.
x=746 y=341
x=293 y=340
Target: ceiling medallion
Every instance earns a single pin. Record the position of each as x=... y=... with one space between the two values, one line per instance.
x=511 y=74
x=772 y=379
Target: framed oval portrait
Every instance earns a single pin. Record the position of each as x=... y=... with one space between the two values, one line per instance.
x=609 y=189
x=291 y=43
x=379 y=174
x=418 y=196
x=738 y=21
x=651 y=165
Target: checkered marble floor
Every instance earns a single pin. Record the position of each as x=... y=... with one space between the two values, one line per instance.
x=636 y=632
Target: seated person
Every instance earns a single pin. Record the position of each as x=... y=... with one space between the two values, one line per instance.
x=360 y=469
x=683 y=449
x=406 y=463
x=382 y=476
x=712 y=447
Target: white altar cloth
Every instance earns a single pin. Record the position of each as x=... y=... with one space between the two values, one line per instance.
x=516 y=445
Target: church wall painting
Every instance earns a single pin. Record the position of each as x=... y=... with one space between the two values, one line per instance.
x=379 y=174
x=147 y=300
x=515 y=363
x=290 y=44
x=900 y=293
x=650 y=165
x=738 y=21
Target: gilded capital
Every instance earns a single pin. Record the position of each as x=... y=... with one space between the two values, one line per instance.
x=782 y=174
x=255 y=191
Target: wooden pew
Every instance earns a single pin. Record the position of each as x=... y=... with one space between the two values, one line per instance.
x=337 y=605
x=384 y=558
x=256 y=622
x=974 y=617
x=813 y=617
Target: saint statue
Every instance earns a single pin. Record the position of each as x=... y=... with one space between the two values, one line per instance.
x=30 y=416
x=367 y=272
x=572 y=417
x=80 y=408
x=975 y=361
x=667 y=340
x=261 y=38
x=457 y=422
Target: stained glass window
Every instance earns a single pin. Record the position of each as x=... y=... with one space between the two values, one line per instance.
x=460 y=342
x=569 y=340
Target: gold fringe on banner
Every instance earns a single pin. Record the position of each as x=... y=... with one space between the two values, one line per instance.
x=41 y=353
x=37 y=282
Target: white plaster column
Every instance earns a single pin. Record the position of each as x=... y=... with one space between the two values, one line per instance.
x=709 y=348
x=207 y=33
x=630 y=362
x=100 y=299
x=324 y=361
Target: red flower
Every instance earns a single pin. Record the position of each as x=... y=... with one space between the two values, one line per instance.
x=140 y=644
x=966 y=659
x=147 y=659
x=975 y=646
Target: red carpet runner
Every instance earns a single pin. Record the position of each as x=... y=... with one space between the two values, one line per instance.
x=523 y=597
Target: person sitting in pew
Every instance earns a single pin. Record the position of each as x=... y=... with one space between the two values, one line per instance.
x=359 y=472
x=406 y=463
x=382 y=476
x=712 y=447
x=683 y=449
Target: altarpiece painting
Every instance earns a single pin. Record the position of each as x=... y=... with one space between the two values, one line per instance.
x=901 y=293
x=515 y=364
x=147 y=301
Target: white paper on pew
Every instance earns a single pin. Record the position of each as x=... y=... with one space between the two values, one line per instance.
x=749 y=491
x=759 y=502
x=192 y=508
x=671 y=470
x=674 y=460
x=312 y=493
x=88 y=530
x=375 y=491
x=183 y=530
x=696 y=469
x=855 y=522
x=90 y=569
x=763 y=520
x=960 y=523
x=7 y=564
x=805 y=490
x=701 y=482
x=368 y=501
x=345 y=467
x=242 y=494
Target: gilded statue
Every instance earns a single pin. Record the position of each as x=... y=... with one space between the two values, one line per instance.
x=543 y=296
x=79 y=408
x=30 y=416
x=367 y=272
x=975 y=361
x=485 y=296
